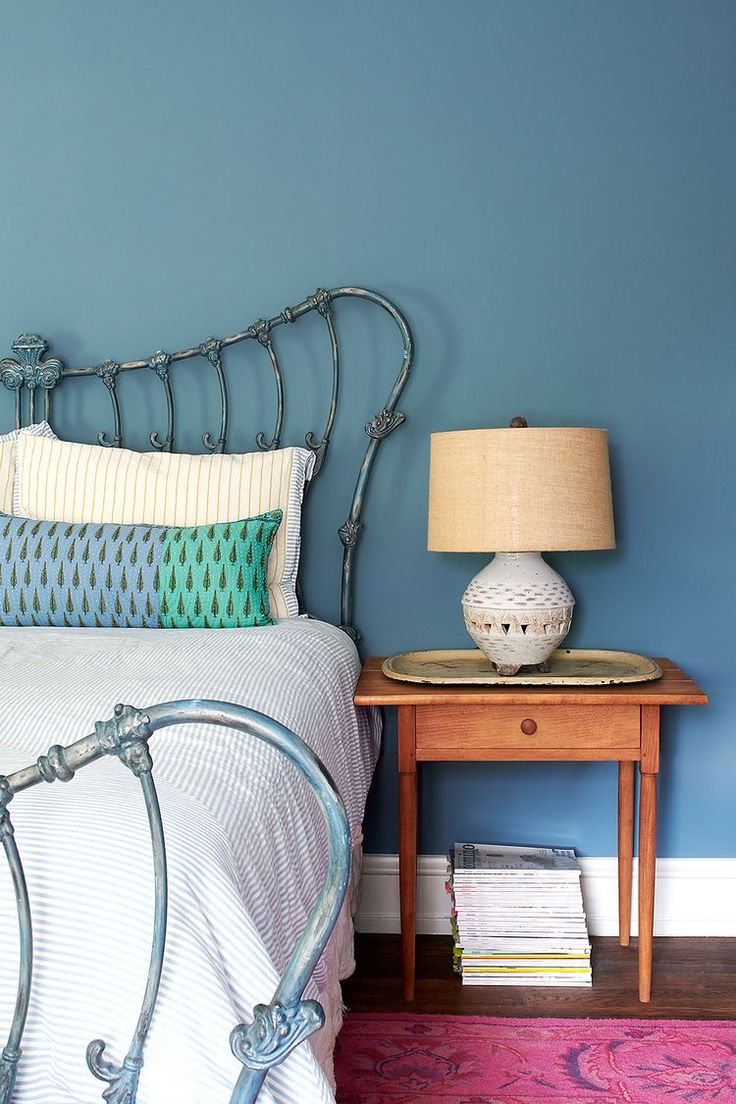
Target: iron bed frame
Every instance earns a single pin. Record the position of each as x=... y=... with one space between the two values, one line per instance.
x=31 y=373
x=278 y=1027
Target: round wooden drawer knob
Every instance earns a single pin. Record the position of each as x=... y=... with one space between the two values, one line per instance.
x=528 y=727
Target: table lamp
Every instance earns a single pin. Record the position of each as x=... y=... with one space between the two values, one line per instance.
x=519 y=492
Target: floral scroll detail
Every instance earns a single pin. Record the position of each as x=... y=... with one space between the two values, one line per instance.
x=125 y=735
x=122 y=1080
x=349 y=532
x=319 y=448
x=159 y=363
x=383 y=423
x=11 y=374
x=276 y=1030
x=6 y=827
x=320 y=301
x=107 y=371
x=30 y=369
x=211 y=350
x=261 y=331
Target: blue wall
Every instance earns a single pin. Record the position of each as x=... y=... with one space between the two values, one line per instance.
x=549 y=191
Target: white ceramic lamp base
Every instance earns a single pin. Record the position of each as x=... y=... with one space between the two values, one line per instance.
x=517 y=610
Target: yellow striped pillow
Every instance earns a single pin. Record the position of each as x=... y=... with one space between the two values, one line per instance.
x=7 y=461
x=65 y=481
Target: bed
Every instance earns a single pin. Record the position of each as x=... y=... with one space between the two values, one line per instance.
x=247 y=854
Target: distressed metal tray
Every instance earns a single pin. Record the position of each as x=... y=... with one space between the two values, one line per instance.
x=567 y=667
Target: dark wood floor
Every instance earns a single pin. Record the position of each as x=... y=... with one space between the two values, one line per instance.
x=693 y=979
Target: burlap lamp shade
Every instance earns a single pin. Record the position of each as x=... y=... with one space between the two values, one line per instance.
x=519 y=492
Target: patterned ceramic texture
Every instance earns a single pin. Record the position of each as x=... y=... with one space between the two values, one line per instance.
x=517 y=610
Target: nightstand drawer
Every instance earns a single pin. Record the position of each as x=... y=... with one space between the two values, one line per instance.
x=540 y=727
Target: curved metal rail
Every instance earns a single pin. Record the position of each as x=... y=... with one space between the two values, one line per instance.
x=278 y=1027
x=31 y=372
x=11 y=1051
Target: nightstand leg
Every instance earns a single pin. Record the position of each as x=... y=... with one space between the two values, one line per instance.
x=408 y=843
x=649 y=767
x=625 y=848
x=647 y=867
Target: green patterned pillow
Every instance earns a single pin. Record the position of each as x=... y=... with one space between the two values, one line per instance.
x=136 y=576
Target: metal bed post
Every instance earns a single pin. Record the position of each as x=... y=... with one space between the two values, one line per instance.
x=278 y=1027
x=11 y=1051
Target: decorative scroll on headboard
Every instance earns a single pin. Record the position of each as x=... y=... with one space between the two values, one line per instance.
x=33 y=376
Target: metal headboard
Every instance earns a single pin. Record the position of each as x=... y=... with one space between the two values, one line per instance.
x=33 y=375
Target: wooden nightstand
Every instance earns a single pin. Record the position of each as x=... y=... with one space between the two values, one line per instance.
x=621 y=723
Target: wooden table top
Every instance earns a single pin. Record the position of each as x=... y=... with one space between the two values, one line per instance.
x=673 y=688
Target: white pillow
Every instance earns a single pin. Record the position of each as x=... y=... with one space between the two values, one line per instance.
x=7 y=460
x=65 y=481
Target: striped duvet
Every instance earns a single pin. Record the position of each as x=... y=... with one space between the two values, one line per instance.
x=245 y=845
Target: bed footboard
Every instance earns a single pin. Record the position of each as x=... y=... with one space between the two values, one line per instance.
x=277 y=1028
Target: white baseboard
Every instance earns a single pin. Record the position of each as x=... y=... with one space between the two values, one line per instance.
x=693 y=896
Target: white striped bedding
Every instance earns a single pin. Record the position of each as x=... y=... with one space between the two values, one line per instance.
x=245 y=845
x=7 y=460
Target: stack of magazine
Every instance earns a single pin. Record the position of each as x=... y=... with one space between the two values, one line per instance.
x=518 y=916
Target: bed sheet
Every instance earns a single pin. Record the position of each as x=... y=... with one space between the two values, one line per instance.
x=245 y=841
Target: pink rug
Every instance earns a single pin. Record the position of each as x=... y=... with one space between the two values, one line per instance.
x=405 y=1059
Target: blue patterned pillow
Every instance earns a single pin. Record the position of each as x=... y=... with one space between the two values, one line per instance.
x=136 y=576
